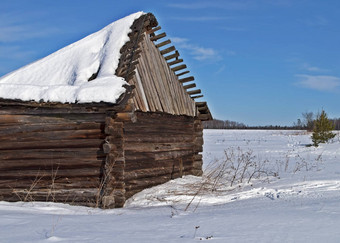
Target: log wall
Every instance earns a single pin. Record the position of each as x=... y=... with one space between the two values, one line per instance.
x=51 y=155
x=93 y=158
x=160 y=147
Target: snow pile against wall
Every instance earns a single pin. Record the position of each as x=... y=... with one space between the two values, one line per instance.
x=64 y=75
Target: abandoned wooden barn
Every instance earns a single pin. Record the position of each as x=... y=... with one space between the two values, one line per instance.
x=100 y=152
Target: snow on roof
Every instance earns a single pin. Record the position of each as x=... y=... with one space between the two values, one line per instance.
x=63 y=76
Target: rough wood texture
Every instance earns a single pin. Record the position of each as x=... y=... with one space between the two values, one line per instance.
x=157 y=87
x=160 y=147
x=49 y=156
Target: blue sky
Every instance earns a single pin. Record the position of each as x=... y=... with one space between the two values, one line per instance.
x=256 y=61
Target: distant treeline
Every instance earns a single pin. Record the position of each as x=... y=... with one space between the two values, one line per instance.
x=220 y=124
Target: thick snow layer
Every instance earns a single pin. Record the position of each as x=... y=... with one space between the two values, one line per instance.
x=63 y=76
x=302 y=204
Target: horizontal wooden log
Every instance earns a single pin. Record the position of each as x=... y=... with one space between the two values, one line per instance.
x=167 y=50
x=43 y=127
x=182 y=73
x=200 y=104
x=202 y=108
x=71 y=195
x=147 y=117
x=153 y=30
x=189 y=86
x=163 y=43
x=155 y=132
x=80 y=143
x=169 y=57
x=147 y=173
x=57 y=153
x=166 y=123
x=21 y=174
x=41 y=116
x=197 y=91
x=51 y=164
x=179 y=67
x=157 y=155
x=52 y=135
x=185 y=80
x=157 y=37
x=157 y=147
x=204 y=117
x=175 y=62
x=141 y=138
x=148 y=182
x=151 y=164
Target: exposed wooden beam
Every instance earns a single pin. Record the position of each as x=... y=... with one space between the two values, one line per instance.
x=180 y=74
x=203 y=108
x=188 y=79
x=175 y=62
x=204 y=117
x=172 y=56
x=167 y=50
x=163 y=43
x=200 y=104
x=153 y=30
x=189 y=86
x=180 y=67
x=196 y=97
x=157 y=37
x=197 y=91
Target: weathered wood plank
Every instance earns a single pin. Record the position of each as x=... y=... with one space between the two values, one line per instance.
x=179 y=67
x=80 y=143
x=157 y=37
x=163 y=43
x=188 y=79
x=175 y=62
x=153 y=30
x=52 y=135
x=56 y=153
x=169 y=57
x=189 y=86
x=168 y=50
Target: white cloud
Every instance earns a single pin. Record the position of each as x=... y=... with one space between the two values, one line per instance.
x=319 y=82
x=311 y=68
x=199 y=53
x=178 y=40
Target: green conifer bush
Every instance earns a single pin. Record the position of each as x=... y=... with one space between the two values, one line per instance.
x=322 y=129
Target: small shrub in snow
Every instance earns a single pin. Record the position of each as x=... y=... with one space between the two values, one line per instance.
x=322 y=129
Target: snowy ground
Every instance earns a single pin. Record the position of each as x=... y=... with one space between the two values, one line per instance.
x=299 y=200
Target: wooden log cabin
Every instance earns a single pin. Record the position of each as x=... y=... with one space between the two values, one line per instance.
x=99 y=153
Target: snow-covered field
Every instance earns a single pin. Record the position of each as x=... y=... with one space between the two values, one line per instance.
x=296 y=200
